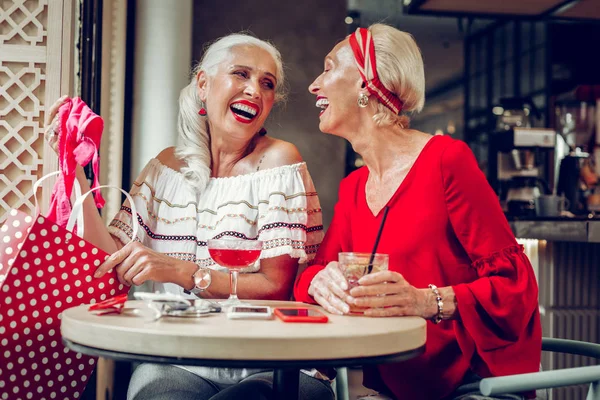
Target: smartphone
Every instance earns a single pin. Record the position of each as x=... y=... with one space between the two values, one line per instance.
x=249 y=312
x=293 y=314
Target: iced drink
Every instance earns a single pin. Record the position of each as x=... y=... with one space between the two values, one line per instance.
x=355 y=265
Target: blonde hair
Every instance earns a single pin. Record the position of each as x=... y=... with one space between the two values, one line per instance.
x=194 y=134
x=400 y=69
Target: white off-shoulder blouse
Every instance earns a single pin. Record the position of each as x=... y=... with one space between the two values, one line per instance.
x=278 y=206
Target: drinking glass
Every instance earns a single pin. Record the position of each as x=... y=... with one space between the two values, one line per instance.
x=234 y=254
x=356 y=265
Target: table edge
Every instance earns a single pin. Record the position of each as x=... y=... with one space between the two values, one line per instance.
x=275 y=363
x=78 y=328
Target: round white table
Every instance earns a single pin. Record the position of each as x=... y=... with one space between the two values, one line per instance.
x=215 y=340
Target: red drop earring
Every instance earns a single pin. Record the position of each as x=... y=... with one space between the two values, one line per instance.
x=202 y=112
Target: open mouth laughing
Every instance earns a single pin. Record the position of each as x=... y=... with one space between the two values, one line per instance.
x=244 y=111
x=322 y=103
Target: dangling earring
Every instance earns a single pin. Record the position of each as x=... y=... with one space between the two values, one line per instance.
x=202 y=111
x=363 y=100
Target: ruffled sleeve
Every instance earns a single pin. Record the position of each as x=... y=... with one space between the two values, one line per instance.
x=290 y=217
x=121 y=226
x=499 y=322
x=155 y=182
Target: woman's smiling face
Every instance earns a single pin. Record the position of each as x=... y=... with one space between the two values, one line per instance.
x=337 y=90
x=240 y=95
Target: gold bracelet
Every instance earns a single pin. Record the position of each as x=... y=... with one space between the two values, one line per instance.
x=440 y=304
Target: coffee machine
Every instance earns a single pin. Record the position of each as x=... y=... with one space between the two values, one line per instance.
x=521 y=158
x=518 y=169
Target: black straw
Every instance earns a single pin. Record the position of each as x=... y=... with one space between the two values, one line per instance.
x=385 y=212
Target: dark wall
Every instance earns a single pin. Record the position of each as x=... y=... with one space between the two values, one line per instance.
x=304 y=32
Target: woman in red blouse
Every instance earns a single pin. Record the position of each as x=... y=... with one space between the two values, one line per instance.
x=444 y=228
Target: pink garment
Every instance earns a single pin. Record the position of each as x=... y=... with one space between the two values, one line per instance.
x=78 y=144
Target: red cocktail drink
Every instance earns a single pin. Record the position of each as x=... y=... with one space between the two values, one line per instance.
x=234 y=254
x=233 y=258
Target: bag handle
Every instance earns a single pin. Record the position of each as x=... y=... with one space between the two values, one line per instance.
x=77 y=209
x=38 y=183
x=77 y=212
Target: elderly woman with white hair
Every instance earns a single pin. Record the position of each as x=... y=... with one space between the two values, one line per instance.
x=226 y=178
x=453 y=259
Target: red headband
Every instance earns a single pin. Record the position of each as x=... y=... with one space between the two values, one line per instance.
x=362 y=45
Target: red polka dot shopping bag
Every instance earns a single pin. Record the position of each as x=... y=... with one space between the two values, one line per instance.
x=45 y=269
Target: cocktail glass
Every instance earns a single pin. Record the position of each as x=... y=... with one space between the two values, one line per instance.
x=234 y=254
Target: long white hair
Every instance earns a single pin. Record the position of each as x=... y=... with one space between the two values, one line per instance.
x=194 y=133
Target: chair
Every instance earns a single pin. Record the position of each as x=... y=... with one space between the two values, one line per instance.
x=527 y=382
x=551 y=379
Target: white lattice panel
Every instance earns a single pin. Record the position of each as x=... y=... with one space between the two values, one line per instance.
x=31 y=53
x=21 y=140
x=22 y=22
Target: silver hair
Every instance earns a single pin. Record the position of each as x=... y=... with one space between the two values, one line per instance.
x=400 y=69
x=194 y=135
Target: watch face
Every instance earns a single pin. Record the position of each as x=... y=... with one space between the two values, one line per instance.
x=202 y=278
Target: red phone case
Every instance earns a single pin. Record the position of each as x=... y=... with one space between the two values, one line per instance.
x=300 y=318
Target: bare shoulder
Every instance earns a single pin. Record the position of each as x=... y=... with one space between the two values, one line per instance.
x=276 y=153
x=168 y=158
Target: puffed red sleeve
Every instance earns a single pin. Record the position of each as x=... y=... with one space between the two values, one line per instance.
x=329 y=248
x=499 y=310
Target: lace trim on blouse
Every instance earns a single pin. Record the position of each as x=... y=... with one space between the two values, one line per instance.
x=279 y=206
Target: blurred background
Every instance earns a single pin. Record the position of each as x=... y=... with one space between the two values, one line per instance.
x=517 y=80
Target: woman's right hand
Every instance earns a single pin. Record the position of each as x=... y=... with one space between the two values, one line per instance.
x=329 y=289
x=51 y=123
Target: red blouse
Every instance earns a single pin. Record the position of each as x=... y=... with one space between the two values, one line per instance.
x=445 y=227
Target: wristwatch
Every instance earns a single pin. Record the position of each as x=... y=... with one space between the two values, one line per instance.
x=202 y=280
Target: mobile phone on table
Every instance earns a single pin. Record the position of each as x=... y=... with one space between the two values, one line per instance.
x=300 y=314
x=249 y=312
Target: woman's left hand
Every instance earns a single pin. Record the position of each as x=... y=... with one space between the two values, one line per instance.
x=388 y=294
x=136 y=264
x=51 y=123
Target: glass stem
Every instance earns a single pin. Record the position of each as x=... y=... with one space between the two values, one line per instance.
x=233 y=278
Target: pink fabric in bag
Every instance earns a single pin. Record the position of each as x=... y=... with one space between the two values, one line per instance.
x=78 y=144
